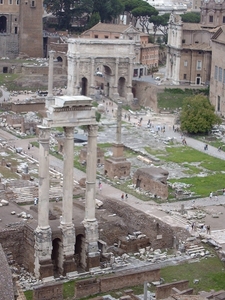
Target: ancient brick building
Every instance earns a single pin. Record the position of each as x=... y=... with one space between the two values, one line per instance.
x=21 y=28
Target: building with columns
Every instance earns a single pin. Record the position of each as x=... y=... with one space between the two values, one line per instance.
x=59 y=253
x=188 y=52
x=189 y=47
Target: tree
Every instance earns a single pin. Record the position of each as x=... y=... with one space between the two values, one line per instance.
x=139 y=10
x=108 y=9
x=160 y=23
x=95 y=18
x=65 y=10
x=142 y=13
x=191 y=17
x=197 y=115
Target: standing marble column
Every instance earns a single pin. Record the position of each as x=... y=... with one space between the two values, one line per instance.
x=66 y=260
x=77 y=90
x=43 y=203
x=68 y=155
x=116 y=94
x=119 y=118
x=43 y=235
x=50 y=73
x=130 y=77
x=90 y=222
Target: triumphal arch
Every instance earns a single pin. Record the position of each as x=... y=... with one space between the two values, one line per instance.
x=113 y=59
x=66 y=112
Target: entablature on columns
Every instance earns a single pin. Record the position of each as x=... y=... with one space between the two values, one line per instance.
x=70 y=111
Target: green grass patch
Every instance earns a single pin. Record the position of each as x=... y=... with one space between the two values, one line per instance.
x=28 y=295
x=191 y=170
x=210 y=273
x=202 y=186
x=173 y=98
x=68 y=289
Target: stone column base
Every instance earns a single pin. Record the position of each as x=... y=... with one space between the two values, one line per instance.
x=91 y=244
x=43 y=266
x=67 y=261
x=130 y=97
x=116 y=96
x=93 y=260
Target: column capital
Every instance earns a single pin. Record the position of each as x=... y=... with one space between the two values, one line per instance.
x=117 y=60
x=44 y=133
x=93 y=130
x=92 y=60
x=51 y=53
x=69 y=132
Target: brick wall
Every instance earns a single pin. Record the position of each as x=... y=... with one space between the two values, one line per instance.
x=87 y=287
x=48 y=292
x=163 y=291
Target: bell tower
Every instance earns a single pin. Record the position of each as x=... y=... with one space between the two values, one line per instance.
x=31 y=28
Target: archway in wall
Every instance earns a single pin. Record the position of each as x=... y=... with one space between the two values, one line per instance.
x=79 y=253
x=121 y=87
x=3 y=24
x=84 y=86
x=134 y=92
x=59 y=59
x=55 y=256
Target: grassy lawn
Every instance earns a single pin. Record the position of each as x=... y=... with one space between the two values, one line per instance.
x=210 y=273
x=173 y=98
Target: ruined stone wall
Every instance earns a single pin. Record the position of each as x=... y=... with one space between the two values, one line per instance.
x=87 y=287
x=28 y=251
x=9 y=46
x=146 y=93
x=26 y=107
x=164 y=290
x=160 y=234
x=13 y=242
x=14 y=119
x=49 y=292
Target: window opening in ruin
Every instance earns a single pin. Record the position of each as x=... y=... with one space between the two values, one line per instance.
x=33 y=3
x=15 y=30
x=79 y=253
x=10 y=2
x=84 y=86
x=185 y=76
x=210 y=19
x=1 y=1
x=121 y=87
x=218 y=103
x=17 y=2
x=223 y=19
x=3 y=22
x=55 y=256
x=5 y=69
x=96 y=36
x=138 y=183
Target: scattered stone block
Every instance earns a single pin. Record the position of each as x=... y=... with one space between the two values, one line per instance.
x=4 y=202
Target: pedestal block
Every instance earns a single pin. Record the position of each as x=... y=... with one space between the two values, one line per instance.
x=117 y=166
x=43 y=266
x=67 y=262
x=91 y=244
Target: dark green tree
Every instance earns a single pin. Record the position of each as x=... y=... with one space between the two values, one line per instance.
x=108 y=9
x=94 y=19
x=142 y=13
x=191 y=17
x=198 y=115
x=65 y=10
x=160 y=23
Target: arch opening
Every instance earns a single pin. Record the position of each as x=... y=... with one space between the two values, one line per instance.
x=56 y=245
x=79 y=253
x=84 y=84
x=121 y=87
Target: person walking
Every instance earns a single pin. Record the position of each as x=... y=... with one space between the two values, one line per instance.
x=122 y=196
x=126 y=196
x=210 y=195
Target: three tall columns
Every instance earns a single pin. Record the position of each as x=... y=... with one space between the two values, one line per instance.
x=43 y=233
